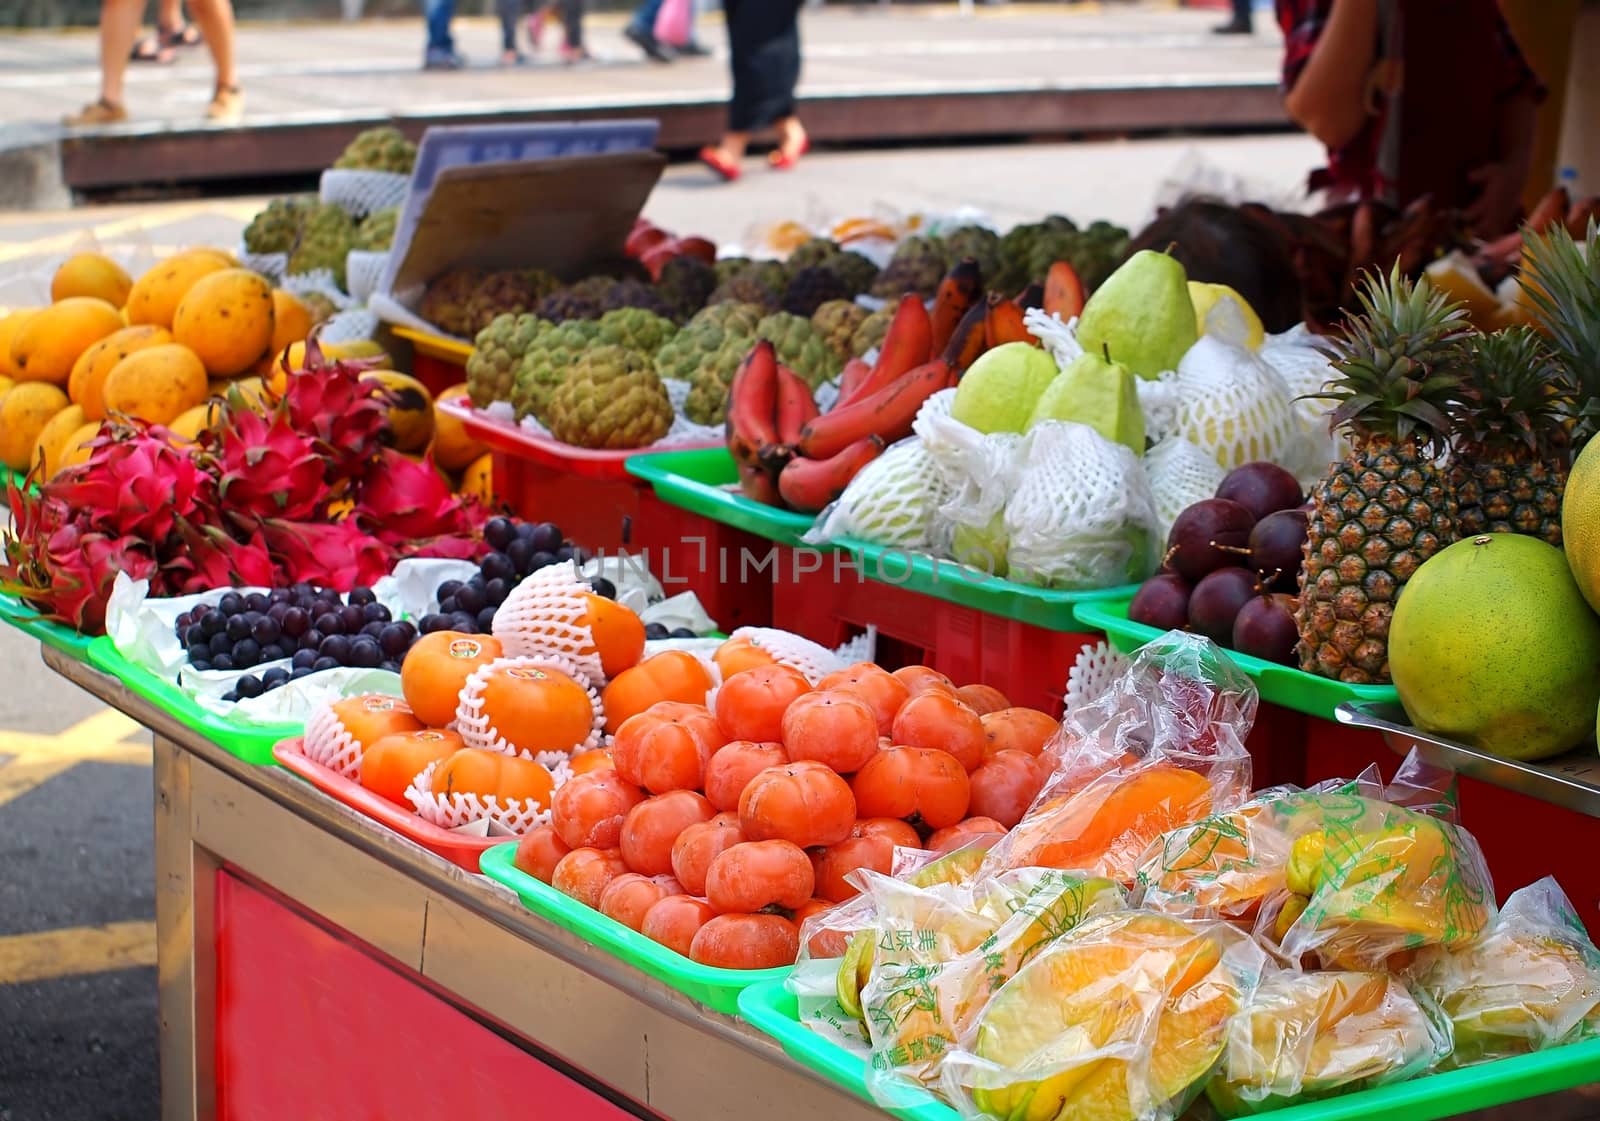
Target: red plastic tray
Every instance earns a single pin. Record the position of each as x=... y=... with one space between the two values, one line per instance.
x=511 y=438
x=459 y=850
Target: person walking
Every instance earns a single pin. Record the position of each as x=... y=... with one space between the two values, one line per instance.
x=119 y=27
x=641 y=32
x=764 y=40
x=441 y=50
x=1242 y=23
x=172 y=31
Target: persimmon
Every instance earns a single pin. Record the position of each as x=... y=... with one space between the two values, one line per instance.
x=757 y=875
x=983 y=699
x=367 y=719
x=674 y=675
x=751 y=704
x=389 y=765
x=493 y=774
x=618 y=633
x=922 y=785
x=871 y=844
x=584 y=873
x=805 y=803
x=535 y=709
x=739 y=654
x=746 y=942
x=1006 y=785
x=598 y=759
x=667 y=746
x=963 y=832
x=837 y=729
x=825 y=939
x=1018 y=729
x=539 y=851
x=700 y=844
x=629 y=897
x=731 y=769
x=588 y=809
x=437 y=666
x=921 y=679
x=675 y=920
x=872 y=683
x=654 y=824
x=937 y=720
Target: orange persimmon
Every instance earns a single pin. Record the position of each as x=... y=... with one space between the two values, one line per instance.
x=667 y=746
x=837 y=729
x=654 y=824
x=756 y=875
x=750 y=705
x=674 y=675
x=804 y=803
x=389 y=765
x=731 y=769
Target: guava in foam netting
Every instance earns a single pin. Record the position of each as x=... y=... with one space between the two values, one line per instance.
x=1305 y=369
x=1083 y=516
x=1180 y=475
x=980 y=473
x=1235 y=406
x=891 y=502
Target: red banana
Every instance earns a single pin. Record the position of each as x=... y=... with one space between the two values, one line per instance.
x=886 y=413
x=961 y=287
x=909 y=342
x=1063 y=291
x=1004 y=324
x=855 y=372
x=1030 y=297
x=969 y=340
x=796 y=406
x=808 y=485
x=753 y=401
x=756 y=482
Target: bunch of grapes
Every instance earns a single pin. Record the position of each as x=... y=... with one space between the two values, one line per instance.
x=520 y=550
x=310 y=626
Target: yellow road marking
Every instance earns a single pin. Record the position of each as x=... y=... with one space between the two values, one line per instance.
x=36 y=759
x=76 y=950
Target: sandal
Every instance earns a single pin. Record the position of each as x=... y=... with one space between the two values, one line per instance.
x=784 y=161
x=101 y=112
x=227 y=106
x=728 y=169
x=186 y=36
x=150 y=48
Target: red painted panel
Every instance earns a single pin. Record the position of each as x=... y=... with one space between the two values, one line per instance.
x=313 y=1026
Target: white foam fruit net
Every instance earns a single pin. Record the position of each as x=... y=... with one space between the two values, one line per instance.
x=1083 y=516
x=1236 y=406
x=544 y=615
x=360 y=193
x=363 y=270
x=1305 y=368
x=1094 y=670
x=319 y=282
x=812 y=659
x=979 y=472
x=349 y=326
x=935 y=409
x=326 y=741
x=452 y=811
x=477 y=724
x=273 y=266
x=1060 y=339
x=891 y=502
x=1180 y=475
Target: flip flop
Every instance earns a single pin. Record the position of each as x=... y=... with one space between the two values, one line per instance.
x=717 y=162
x=784 y=161
x=186 y=36
x=151 y=48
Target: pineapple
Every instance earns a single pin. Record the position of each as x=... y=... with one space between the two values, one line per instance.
x=1562 y=283
x=1509 y=466
x=1386 y=507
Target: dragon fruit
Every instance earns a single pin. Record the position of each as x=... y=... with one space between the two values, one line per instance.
x=66 y=573
x=212 y=559
x=138 y=483
x=338 y=554
x=268 y=469
x=328 y=402
x=406 y=503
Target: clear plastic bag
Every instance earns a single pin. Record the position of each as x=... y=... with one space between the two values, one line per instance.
x=1083 y=516
x=1121 y=1019
x=1532 y=981
x=1305 y=1036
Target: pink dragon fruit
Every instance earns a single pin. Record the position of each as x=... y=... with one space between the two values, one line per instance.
x=328 y=402
x=137 y=483
x=211 y=559
x=78 y=570
x=338 y=554
x=404 y=503
x=268 y=469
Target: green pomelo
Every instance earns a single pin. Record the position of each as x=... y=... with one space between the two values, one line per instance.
x=1580 y=522
x=1098 y=393
x=1143 y=314
x=983 y=548
x=1493 y=645
x=998 y=392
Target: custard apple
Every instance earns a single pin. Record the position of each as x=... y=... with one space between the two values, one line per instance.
x=507 y=292
x=634 y=294
x=727 y=268
x=706 y=353
x=838 y=320
x=610 y=399
x=855 y=271
x=375 y=234
x=817 y=251
x=874 y=328
x=801 y=347
x=918 y=265
x=325 y=239
x=570 y=303
x=636 y=329
x=812 y=287
x=686 y=283
x=761 y=283
x=551 y=353
x=277 y=228
x=977 y=242
x=497 y=352
x=379 y=149
x=444 y=303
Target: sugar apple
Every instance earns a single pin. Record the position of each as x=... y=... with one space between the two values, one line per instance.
x=801 y=347
x=871 y=333
x=324 y=242
x=379 y=149
x=545 y=363
x=918 y=265
x=854 y=270
x=636 y=329
x=811 y=287
x=632 y=293
x=761 y=283
x=496 y=354
x=610 y=399
x=444 y=302
x=707 y=402
x=375 y=234
x=277 y=228
x=817 y=251
x=685 y=284
x=506 y=292
x=572 y=302
x=977 y=242
x=706 y=353
x=838 y=320
x=727 y=268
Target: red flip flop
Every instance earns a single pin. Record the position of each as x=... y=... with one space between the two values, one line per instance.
x=717 y=162
x=783 y=161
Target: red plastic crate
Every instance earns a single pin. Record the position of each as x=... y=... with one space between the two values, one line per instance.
x=437 y=374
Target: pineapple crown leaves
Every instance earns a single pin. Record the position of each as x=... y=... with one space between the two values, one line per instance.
x=1563 y=285
x=1399 y=361
x=1511 y=393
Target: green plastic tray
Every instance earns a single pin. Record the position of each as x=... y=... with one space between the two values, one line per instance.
x=26 y=619
x=698 y=481
x=771 y=1008
x=954 y=583
x=1279 y=685
x=251 y=742
x=716 y=988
